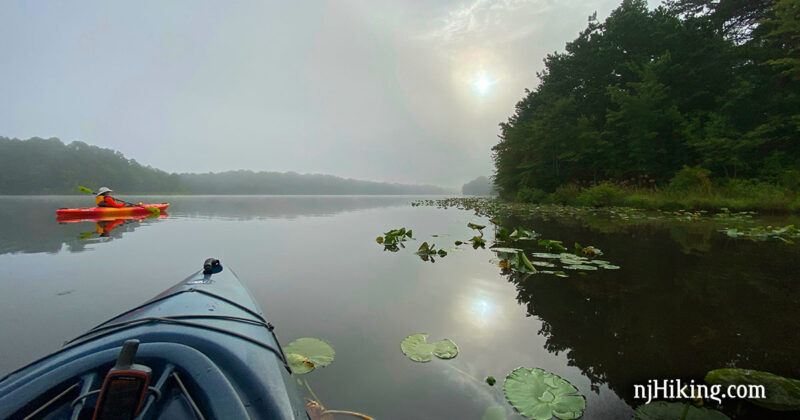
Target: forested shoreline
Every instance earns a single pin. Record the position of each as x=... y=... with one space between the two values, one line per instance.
x=48 y=166
x=696 y=98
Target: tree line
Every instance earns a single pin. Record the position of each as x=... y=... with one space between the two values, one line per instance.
x=712 y=84
x=480 y=186
x=48 y=166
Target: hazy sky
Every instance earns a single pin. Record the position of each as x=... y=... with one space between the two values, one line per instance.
x=400 y=91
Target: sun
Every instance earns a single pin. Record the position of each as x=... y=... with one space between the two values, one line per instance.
x=482 y=84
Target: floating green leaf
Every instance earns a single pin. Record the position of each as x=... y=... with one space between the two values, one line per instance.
x=522 y=234
x=506 y=250
x=588 y=251
x=552 y=245
x=475 y=226
x=427 y=252
x=543 y=264
x=580 y=267
x=524 y=264
x=477 y=242
x=538 y=394
x=308 y=354
x=416 y=347
x=393 y=239
x=491 y=380
x=299 y=363
x=609 y=266
x=546 y=255
x=782 y=394
x=660 y=410
x=501 y=235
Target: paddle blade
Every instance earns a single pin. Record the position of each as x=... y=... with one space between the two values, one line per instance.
x=153 y=210
x=85 y=190
x=85 y=235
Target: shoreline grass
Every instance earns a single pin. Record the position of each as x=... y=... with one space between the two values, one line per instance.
x=735 y=196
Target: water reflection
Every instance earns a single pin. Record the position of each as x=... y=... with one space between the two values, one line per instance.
x=673 y=310
x=29 y=224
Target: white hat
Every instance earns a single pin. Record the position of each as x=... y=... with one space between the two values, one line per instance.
x=103 y=190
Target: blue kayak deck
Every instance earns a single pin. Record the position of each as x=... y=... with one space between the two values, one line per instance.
x=211 y=349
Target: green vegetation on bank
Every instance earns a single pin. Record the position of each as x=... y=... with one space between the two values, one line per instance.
x=690 y=189
x=48 y=166
x=692 y=105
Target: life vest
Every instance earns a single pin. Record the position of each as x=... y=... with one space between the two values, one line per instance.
x=105 y=201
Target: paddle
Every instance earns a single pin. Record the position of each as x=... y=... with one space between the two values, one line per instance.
x=153 y=210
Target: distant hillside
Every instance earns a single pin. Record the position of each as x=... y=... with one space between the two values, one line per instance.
x=481 y=185
x=249 y=182
x=48 y=166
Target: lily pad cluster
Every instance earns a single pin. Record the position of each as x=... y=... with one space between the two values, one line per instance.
x=762 y=233
x=514 y=259
x=519 y=234
x=535 y=393
x=553 y=246
x=427 y=252
x=417 y=348
x=306 y=354
x=605 y=218
x=393 y=239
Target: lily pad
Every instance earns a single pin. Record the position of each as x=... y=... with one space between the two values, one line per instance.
x=546 y=255
x=580 y=267
x=506 y=250
x=609 y=266
x=523 y=264
x=475 y=226
x=523 y=234
x=660 y=410
x=588 y=251
x=782 y=394
x=553 y=245
x=538 y=394
x=306 y=354
x=416 y=347
x=299 y=363
x=543 y=264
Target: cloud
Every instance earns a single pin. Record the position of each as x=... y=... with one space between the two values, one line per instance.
x=489 y=21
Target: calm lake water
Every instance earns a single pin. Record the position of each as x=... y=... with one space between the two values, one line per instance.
x=687 y=299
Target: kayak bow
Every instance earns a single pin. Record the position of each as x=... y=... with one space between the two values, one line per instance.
x=211 y=351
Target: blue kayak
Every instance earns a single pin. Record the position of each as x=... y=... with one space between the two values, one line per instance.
x=204 y=345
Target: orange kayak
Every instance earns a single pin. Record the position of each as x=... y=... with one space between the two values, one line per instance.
x=109 y=212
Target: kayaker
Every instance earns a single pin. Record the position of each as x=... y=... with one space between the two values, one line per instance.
x=102 y=199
